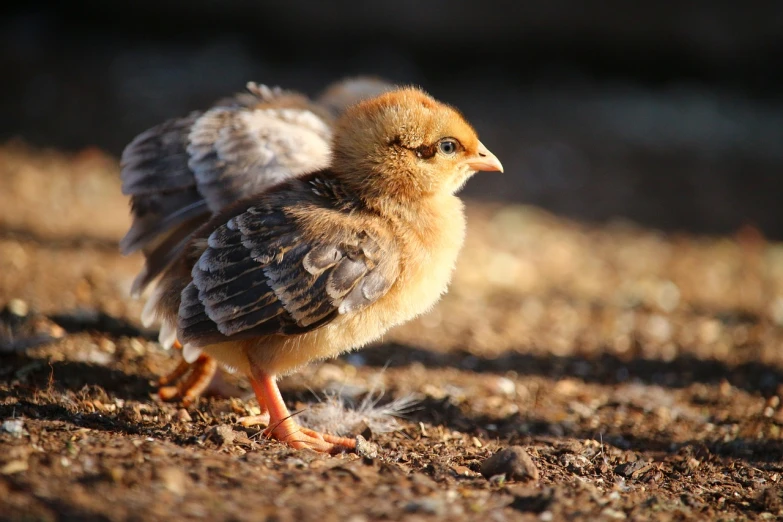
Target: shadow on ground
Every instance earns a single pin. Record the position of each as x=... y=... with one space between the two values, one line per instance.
x=604 y=368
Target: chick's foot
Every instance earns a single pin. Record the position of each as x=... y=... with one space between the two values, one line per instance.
x=282 y=426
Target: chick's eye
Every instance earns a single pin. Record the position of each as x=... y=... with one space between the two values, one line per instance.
x=447 y=147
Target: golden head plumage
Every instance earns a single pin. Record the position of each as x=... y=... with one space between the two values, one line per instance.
x=412 y=145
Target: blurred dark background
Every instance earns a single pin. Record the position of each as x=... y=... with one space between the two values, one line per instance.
x=666 y=113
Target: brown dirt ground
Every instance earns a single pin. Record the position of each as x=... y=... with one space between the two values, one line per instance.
x=641 y=372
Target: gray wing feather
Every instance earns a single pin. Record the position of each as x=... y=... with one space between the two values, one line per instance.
x=182 y=171
x=259 y=276
x=234 y=153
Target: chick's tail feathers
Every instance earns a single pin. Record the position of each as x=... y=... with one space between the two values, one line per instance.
x=161 y=254
x=166 y=205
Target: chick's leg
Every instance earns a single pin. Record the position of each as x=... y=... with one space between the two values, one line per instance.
x=282 y=426
x=202 y=371
x=175 y=375
x=203 y=378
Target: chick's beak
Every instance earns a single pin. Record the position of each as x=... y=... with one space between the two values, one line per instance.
x=484 y=160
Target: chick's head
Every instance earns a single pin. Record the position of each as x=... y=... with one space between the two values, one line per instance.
x=406 y=145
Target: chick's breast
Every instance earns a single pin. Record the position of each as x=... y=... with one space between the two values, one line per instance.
x=426 y=260
x=429 y=247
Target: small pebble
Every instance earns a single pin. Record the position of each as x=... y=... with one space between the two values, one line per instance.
x=14 y=426
x=629 y=468
x=501 y=386
x=462 y=471
x=15 y=466
x=18 y=307
x=173 y=479
x=182 y=415
x=107 y=345
x=659 y=328
x=114 y=474
x=366 y=449
x=222 y=435
x=567 y=387
x=138 y=346
x=668 y=296
x=614 y=514
x=513 y=462
x=428 y=505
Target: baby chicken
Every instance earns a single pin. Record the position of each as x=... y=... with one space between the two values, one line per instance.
x=182 y=171
x=328 y=262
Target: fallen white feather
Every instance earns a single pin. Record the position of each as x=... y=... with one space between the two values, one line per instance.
x=334 y=415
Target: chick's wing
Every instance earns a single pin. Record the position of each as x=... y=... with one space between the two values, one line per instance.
x=235 y=153
x=184 y=170
x=263 y=273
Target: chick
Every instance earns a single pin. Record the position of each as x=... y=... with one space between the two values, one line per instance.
x=328 y=262
x=182 y=171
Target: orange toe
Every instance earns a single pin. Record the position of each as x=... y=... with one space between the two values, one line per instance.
x=254 y=420
x=300 y=438
x=168 y=393
x=343 y=442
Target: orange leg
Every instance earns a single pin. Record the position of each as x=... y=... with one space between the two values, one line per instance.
x=203 y=371
x=283 y=428
x=203 y=378
x=178 y=372
x=181 y=369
